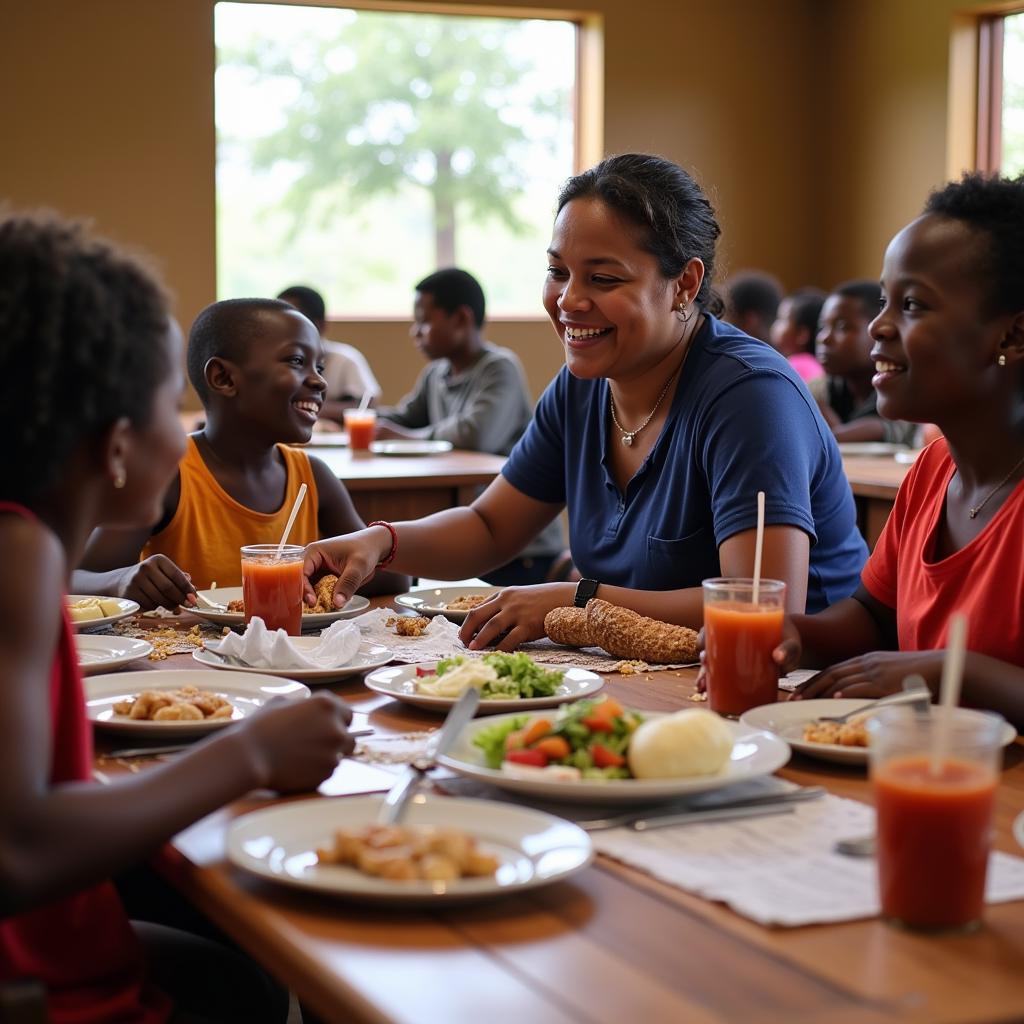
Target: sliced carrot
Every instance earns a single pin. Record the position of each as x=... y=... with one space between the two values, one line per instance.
x=537 y=729
x=556 y=747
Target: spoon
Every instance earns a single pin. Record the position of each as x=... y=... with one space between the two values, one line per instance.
x=205 y=602
x=909 y=697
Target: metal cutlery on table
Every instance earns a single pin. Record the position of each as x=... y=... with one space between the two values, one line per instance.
x=397 y=797
x=907 y=697
x=752 y=807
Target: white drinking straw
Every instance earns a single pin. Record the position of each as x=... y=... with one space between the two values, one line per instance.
x=291 y=518
x=758 y=545
x=365 y=400
x=949 y=692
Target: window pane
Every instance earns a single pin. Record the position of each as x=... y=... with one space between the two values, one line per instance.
x=1013 y=95
x=360 y=150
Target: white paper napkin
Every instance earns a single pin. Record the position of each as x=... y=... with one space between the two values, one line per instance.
x=440 y=638
x=780 y=870
x=261 y=648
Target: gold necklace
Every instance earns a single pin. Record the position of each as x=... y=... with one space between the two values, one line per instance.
x=975 y=509
x=628 y=435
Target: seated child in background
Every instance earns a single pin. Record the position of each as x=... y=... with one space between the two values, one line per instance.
x=949 y=343
x=255 y=364
x=752 y=302
x=472 y=393
x=94 y=420
x=844 y=350
x=346 y=370
x=794 y=331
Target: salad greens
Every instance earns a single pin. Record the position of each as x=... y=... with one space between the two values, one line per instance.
x=518 y=675
x=591 y=735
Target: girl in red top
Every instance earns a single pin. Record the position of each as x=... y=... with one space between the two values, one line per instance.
x=948 y=349
x=94 y=437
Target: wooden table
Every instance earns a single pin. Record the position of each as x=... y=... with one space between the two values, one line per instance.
x=874 y=481
x=393 y=487
x=610 y=946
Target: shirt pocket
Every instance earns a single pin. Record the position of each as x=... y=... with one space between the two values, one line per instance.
x=673 y=564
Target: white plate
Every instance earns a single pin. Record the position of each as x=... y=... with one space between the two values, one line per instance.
x=533 y=848
x=368 y=656
x=870 y=448
x=410 y=447
x=1018 y=829
x=400 y=682
x=246 y=693
x=88 y=625
x=319 y=620
x=788 y=718
x=754 y=753
x=907 y=458
x=102 y=653
x=435 y=601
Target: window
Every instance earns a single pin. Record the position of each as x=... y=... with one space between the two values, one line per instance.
x=1000 y=144
x=359 y=150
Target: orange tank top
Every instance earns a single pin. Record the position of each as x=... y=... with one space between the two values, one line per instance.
x=209 y=527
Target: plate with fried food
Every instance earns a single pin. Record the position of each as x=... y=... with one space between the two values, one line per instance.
x=174 y=702
x=317 y=616
x=801 y=724
x=88 y=612
x=446 y=850
x=103 y=653
x=453 y=603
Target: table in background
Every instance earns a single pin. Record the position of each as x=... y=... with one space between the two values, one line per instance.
x=874 y=481
x=393 y=487
x=612 y=944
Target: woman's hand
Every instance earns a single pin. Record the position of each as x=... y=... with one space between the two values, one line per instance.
x=514 y=616
x=294 y=746
x=873 y=675
x=353 y=559
x=156 y=581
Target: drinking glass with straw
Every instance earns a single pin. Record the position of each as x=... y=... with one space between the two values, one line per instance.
x=361 y=424
x=934 y=779
x=272 y=580
x=742 y=627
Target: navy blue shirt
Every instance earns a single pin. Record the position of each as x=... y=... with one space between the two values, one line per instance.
x=741 y=421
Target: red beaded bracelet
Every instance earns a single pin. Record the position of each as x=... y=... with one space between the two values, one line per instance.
x=390 y=557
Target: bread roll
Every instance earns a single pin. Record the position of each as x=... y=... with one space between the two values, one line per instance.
x=687 y=743
x=568 y=626
x=626 y=634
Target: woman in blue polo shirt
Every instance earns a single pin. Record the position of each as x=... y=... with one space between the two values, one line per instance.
x=656 y=435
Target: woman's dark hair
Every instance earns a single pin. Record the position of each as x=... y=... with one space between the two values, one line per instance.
x=805 y=308
x=81 y=331
x=676 y=220
x=995 y=206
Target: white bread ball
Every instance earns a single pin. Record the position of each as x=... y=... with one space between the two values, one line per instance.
x=690 y=742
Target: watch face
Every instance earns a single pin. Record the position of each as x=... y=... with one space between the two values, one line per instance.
x=585 y=590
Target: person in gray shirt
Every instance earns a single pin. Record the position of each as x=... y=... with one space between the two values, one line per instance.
x=471 y=393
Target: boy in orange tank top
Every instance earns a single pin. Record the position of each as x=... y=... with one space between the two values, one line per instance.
x=256 y=365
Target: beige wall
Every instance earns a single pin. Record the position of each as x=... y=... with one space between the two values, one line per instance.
x=817 y=125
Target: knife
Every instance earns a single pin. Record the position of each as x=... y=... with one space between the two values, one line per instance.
x=397 y=797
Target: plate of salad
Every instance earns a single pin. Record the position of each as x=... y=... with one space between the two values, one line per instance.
x=505 y=681
x=581 y=753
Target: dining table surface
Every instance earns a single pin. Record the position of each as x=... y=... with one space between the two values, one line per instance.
x=609 y=945
x=874 y=481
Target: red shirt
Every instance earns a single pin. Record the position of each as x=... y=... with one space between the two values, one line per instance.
x=984 y=579
x=81 y=947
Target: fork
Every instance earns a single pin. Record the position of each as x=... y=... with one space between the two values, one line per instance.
x=910 y=697
x=212 y=606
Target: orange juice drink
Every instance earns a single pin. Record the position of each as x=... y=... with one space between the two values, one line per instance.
x=739 y=637
x=361 y=425
x=272 y=585
x=934 y=819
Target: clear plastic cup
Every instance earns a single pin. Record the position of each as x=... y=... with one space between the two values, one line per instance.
x=739 y=637
x=272 y=585
x=361 y=425
x=934 y=821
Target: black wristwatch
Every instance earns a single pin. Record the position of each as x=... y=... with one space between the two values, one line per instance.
x=585 y=590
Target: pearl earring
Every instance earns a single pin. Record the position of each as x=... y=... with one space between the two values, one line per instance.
x=120 y=479
x=1001 y=360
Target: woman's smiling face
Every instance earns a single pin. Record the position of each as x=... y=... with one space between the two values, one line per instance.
x=609 y=303
x=935 y=340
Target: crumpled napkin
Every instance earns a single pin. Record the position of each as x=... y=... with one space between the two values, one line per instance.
x=261 y=648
